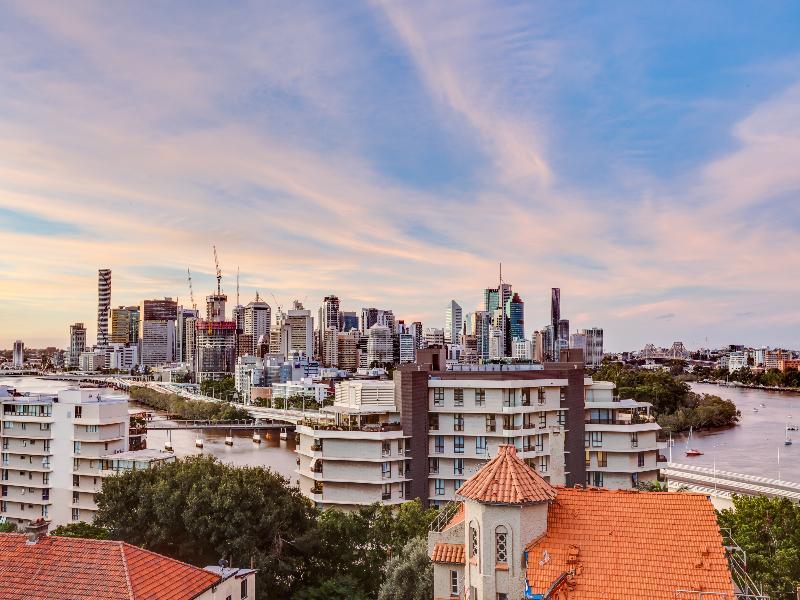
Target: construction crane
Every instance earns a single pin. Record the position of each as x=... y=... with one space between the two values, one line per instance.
x=219 y=272
x=237 y=286
x=191 y=291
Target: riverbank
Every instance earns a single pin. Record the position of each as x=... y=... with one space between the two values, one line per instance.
x=187 y=409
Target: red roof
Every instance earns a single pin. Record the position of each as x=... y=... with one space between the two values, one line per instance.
x=55 y=568
x=507 y=480
x=624 y=544
x=448 y=553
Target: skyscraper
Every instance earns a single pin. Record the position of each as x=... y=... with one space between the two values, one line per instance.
x=348 y=320
x=594 y=346
x=18 y=354
x=453 y=322
x=376 y=316
x=328 y=317
x=77 y=343
x=481 y=322
x=158 y=331
x=515 y=314
x=184 y=333
x=103 y=305
x=563 y=336
x=125 y=325
x=257 y=320
x=555 y=317
x=301 y=324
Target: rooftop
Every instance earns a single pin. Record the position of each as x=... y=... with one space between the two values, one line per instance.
x=507 y=480
x=146 y=454
x=626 y=544
x=55 y=568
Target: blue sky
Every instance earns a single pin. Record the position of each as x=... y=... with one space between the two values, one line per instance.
x=643 y=157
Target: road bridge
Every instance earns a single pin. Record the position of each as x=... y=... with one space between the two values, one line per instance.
x=722 y=485
x=164 y=425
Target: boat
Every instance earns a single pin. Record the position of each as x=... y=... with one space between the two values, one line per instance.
x=787 y=441
x=691 y=451
x=755 y=409
x=792 y=428
x=763 y=405
x=198 y=442
x=256 y=437
x=168 y=443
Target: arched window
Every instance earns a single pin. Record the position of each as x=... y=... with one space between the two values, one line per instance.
x=501 y=544
x=473 y=542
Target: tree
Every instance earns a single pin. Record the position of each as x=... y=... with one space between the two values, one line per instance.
x=342 y=587
x=8 y=527
x=358 y=544
x=409 y=575
x=768 y=529
x=81 y=529
x=199 y=510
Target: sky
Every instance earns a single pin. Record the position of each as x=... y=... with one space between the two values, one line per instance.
x=643 y=157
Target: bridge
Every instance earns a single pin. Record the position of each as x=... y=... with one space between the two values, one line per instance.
x=722 y=485
x=163 y=425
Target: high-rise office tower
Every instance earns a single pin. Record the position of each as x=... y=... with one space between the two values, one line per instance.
x=348 y=320
x=257 y=320
x=125 y=325
x=515 y=315
x=453 y=322
x=416 y=333
x=215 y=307
x=594 y=346
x=563 y=335
x=77 y=343
x=301 y=324
x=18 y=354
x=184 y=334
x=328 y=317
x=481 y=322
x=379 y=346
x=555 y=317
x=103 y=305
x=158 y=331
x=376 y=316
x=237 y=316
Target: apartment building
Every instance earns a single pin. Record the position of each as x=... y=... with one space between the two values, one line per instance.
x=357 y=455
x=53 y=452
x=570 y=429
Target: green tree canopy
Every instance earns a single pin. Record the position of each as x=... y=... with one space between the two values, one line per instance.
x=768 y=529
x=199 y=510
x=409 y=574
x=82 y=529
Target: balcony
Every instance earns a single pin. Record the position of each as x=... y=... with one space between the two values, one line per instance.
x=317 y=447
x=316 y=490
x=386 y=496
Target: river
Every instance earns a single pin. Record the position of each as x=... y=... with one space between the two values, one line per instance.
x=752 y=447
x=271 y=453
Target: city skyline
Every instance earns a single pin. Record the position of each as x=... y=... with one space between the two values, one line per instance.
x=379 y=155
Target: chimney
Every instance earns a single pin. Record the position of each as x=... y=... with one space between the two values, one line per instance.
x=37 y=530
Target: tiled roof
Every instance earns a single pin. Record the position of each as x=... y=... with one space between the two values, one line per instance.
x=457 y=518
x=55 y=568
x=625 y=544
x=448 y=553
x=507 y=480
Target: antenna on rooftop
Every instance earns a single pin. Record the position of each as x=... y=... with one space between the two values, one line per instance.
x=237 y=286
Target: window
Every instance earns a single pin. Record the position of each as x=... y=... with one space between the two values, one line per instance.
x=562 y=417
x=480 y=397
x=78 y=412
x=5 y=443
x=600 y=415
x=386 y=448
x=508 y=422
x=243 y=588
x=544 y=463
x=5 y=475
x=458 y=397
x=46 y=445
x=5 y=458
x=76 y=447
x=76 y=464
x=457 y=483
x=45 y=510
x=76 y=481
x=438 y=442
x=438 y=397
x=458 y=444
x=635 y=439
x=438 y=487
x=539 y=439
x=481 y=444
x=4 y=491
x=586 y=440
x=387 y=492
x=490 y=423
x=458 y=466
x=602 y=459
x=596 y=438
x=433 y=465
x=75 y=497
x=510 y=398
x=473 y=542
x=433 y=421
x=386 y=470
x=3 y=506
x=45 y=478
x=502 y=596
x=76 y=514
x=634 y=479
x=588 y=459
x=8 y=424
x=454 y=583
x=44 y=426
x=91 y=429
x=563 y=394
x=641 y=459
x=542 y=419
x=542 y=396
x=595 y=479
x=458 y=422
x=501 y=545
x=46 y=494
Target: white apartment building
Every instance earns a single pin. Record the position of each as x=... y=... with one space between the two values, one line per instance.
x=18 y=355
x=379 y=345
x=53 y=452
x=521 y=349
x=249 y=372
x=453 y=323
x=621 y=439
x=301 y=329
x=737 y=360
x=92 y=361
x=357 y=455
x=302 y=387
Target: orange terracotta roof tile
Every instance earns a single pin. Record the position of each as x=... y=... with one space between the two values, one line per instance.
x=448 y=553
x=55 y=568
x=507 y=480
x=457 y=518
x=623 y=544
